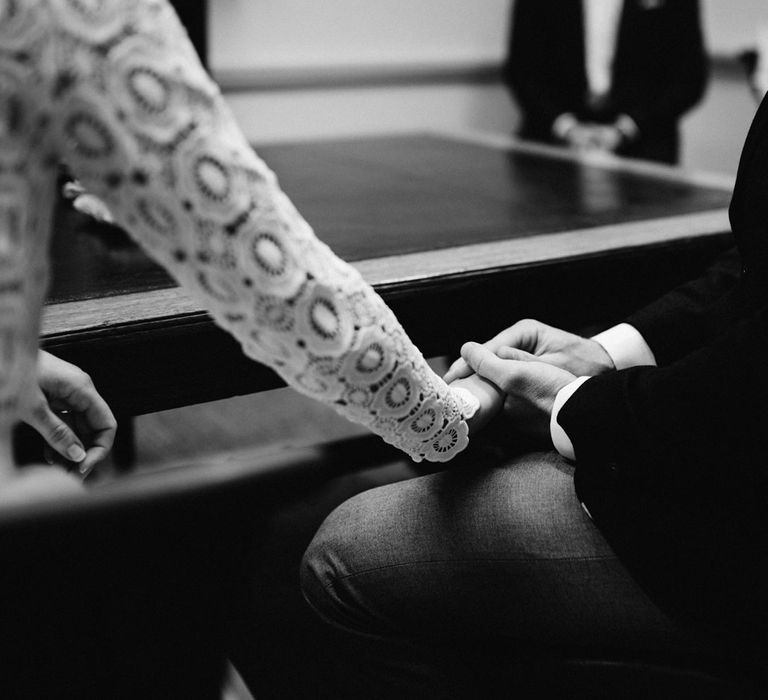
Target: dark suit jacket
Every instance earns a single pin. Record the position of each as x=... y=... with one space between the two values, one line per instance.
x=659 y=69
x=194 y=16
x=672 y=461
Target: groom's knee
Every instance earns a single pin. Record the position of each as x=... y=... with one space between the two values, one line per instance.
x=327 y=571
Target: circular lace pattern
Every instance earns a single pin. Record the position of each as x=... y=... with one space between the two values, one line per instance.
x=145 y=129
x=276 y=350
x=425 y=423
x=321 y=379
x=323 y=321
x=272 y=257
x=274 y=313
x=447 y=441
x=269 y=254
x=399 y=396
x=219 y=287
x=22 y=26
x=147 y=91
x=358 y=399
x=157 y=220
x=216 y=250
x=157 y=216
x=95 y=145
x=150 y=90
x=92 y=21
x=208 y=179
x=370 y=361
x=89 y=136
x=18 y=112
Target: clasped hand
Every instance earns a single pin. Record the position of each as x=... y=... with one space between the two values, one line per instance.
x=526 y=365
x=594 y=137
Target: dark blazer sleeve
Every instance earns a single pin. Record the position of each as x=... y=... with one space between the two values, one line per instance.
x=691 y=315
x=685 y=423
x=668 y=58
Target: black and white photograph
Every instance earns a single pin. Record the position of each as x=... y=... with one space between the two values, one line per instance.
x=356 y=350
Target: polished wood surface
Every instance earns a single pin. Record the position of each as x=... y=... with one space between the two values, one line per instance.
x=460 y=237
x=373 y=198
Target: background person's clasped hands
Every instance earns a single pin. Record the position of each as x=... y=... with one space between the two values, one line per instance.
x=594 y=137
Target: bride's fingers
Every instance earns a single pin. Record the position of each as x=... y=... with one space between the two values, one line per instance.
x=94 y=207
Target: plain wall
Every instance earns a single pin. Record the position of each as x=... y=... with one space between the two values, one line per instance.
x=304 y=33
x=275 y=42
x=714 y=133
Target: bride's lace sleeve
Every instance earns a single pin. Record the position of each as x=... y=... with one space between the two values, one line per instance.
x=147 y=130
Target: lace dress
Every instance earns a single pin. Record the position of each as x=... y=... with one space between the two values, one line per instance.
x=115 y=89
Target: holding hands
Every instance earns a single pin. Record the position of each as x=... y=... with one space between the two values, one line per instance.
x=529 y=363
x=529 y=385
x=579 y=356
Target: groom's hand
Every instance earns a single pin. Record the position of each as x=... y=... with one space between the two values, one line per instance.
x=530 y=386
x=579 y=356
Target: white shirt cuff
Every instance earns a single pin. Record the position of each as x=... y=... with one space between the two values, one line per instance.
x=560 y=439
x=626 y=347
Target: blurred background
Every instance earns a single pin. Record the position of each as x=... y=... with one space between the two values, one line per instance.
x=299 y=69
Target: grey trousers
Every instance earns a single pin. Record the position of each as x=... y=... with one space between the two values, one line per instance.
x=428 y=577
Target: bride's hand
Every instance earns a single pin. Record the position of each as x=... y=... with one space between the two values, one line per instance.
x=489 y=396
x=64 y=386
x=87 y=203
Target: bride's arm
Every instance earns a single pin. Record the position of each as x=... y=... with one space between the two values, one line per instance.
x=148 y=131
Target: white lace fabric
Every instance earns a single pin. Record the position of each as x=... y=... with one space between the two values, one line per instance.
x=114 y=88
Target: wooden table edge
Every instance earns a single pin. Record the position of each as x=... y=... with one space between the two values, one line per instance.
x=492 y=139
x=145 y=307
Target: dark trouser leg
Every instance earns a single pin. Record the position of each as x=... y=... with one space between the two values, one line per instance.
x=419 y=576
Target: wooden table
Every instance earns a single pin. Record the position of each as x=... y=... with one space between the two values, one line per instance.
x=461 y=236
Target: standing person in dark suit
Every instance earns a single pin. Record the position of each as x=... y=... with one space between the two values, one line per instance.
x=612 y=75
x=194 y=16
x=661 y=547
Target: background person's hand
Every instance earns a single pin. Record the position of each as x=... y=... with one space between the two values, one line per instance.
x=582 y=137
x=606 y=137
x=573 y=353
x=87 y=203
x=64 y=387
x=591 y=138
x=530 y=386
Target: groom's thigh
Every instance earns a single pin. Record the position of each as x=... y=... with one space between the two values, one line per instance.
x=501 y=548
